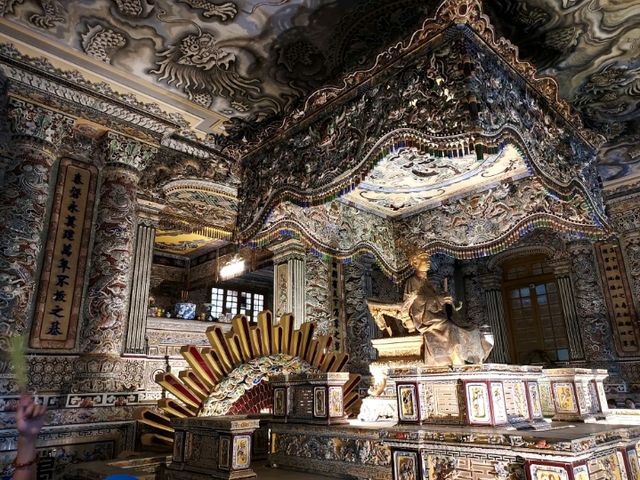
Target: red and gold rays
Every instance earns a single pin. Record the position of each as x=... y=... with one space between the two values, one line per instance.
x=208 y=366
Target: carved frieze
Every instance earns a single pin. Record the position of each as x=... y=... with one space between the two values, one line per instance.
x=336 y=228
x=38 y=123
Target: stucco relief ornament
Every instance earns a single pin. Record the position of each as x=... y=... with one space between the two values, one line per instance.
x=127 y=151
x=204 y=70
x=102 y=43
x=224 y=11
x=134 y=8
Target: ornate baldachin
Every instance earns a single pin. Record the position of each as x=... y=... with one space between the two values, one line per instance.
x=401 y=138
x=451 y=13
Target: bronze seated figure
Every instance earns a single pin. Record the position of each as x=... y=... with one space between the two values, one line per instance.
x=431 y=313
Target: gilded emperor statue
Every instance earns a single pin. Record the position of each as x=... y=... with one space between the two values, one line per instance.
x=428 y=311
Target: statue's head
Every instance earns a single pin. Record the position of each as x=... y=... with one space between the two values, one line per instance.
x=421 y=262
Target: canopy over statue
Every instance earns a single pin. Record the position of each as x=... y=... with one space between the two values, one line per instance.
x=428 y=311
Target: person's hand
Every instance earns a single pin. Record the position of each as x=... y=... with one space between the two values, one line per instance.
x=30 y=417
x=448 y=300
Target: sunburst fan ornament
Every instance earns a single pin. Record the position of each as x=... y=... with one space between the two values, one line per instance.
x=237 y=362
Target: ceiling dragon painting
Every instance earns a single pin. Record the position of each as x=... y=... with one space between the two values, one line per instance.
x=250 y=59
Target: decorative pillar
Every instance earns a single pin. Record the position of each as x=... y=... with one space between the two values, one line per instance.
x=617 y=292
x=630 y=243
x=622 y=277
x=360 y=327
x=36 y=135
x=319 y=298
x=289 y=280
x=140 y=283
x=443 y=267
x=562 y=270
x=474 y=298
x=496 y=318
x=111 y=266
x=590 y=306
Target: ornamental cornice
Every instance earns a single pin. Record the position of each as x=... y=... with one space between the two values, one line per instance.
x=119 y=150
x=36 y=122
x=41 y=74
x=199 y=185
x=290 y=249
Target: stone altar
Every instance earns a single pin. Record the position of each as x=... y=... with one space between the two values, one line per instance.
x=577 y=393
x=474 y=395
x=212 y=447
x=309 y=398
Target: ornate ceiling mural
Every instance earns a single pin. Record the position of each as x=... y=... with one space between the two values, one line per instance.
x=592 y=49
x=241 y=61
x=407 y=181
x=215 y=203
x=196 y=216
x=210 y=82
x=240 y=58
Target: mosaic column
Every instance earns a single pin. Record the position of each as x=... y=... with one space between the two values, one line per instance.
x=140 y=284
x=474 y=297
x=289 y=280
x=36 y=135
x=496 y=317
x=318 y=305
x=596 y=334
x=443 y=267
x=359 y=325
x=567 y=300
x=112 y=264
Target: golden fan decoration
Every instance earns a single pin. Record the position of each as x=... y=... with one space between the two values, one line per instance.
x=208 y=366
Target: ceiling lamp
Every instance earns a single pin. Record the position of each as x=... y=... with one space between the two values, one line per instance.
x=233 y=268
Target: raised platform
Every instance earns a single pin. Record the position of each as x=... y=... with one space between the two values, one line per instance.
x=411 y=452
x=486 y=394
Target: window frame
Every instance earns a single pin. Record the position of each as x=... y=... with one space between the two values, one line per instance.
x=528 y=281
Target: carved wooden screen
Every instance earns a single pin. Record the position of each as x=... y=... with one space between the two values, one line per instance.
x=535 y=323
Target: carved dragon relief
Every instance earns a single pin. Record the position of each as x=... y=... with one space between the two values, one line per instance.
x=51 y=13
x=205 y=70
x=223 y=11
